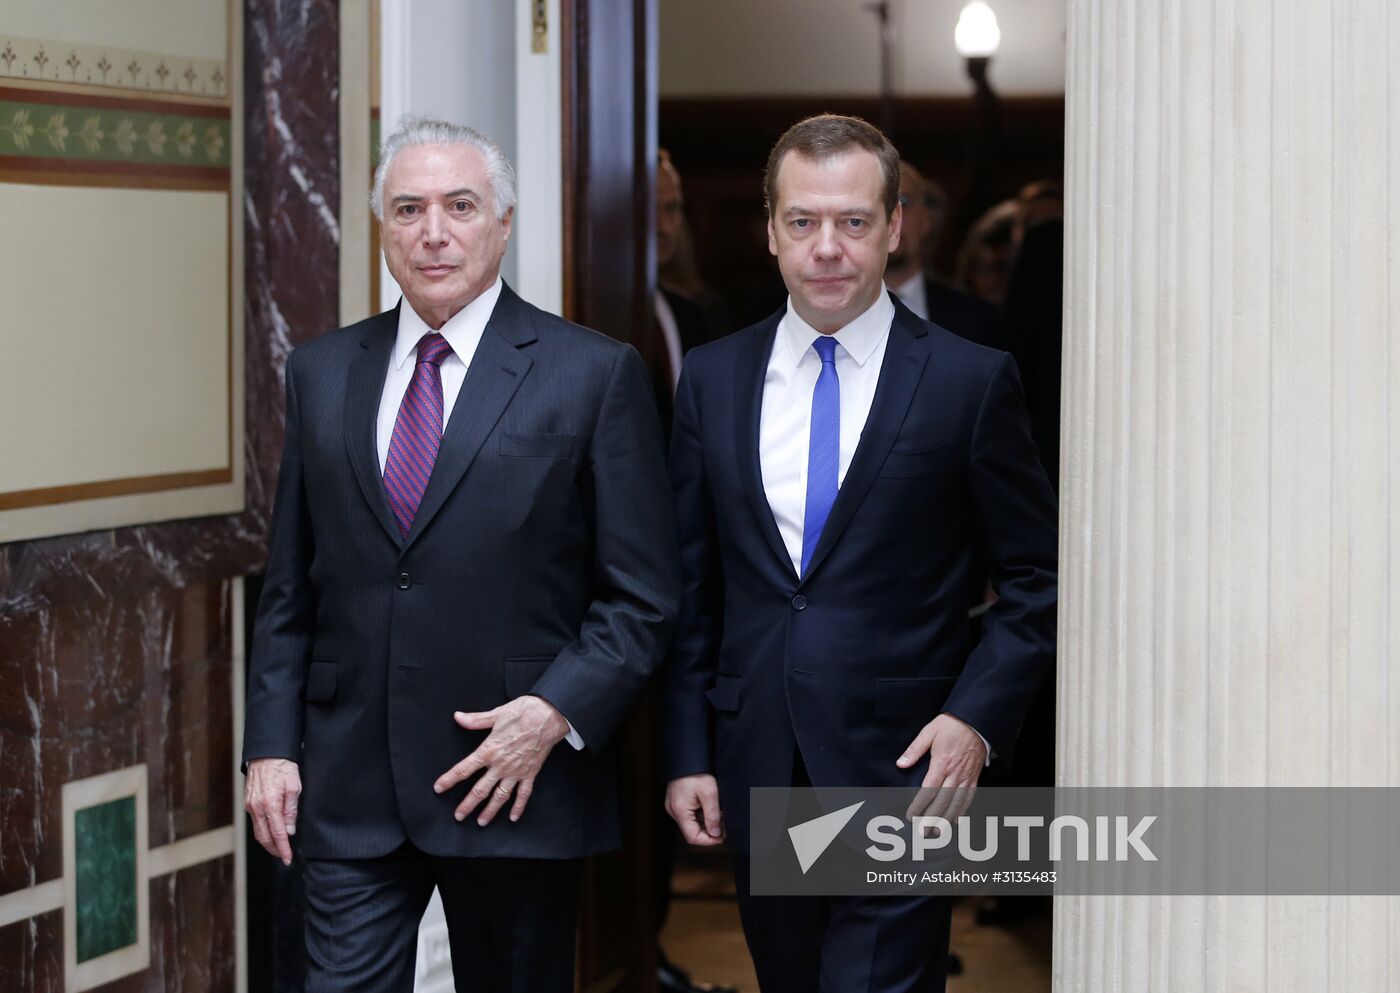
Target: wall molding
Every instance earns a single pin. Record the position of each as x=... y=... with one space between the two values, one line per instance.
x=47 y=61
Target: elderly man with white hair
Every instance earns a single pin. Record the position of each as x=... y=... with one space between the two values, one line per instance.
x=472 y=574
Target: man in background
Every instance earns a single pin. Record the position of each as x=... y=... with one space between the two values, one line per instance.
x=680 y=326
x=907 y=271
x=1040 y=202
x=680 y=322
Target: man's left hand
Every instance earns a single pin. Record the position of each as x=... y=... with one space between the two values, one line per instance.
x=522 y=734
x=956 y=758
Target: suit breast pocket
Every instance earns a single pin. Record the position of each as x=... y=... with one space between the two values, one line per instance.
x=536 y=446
x=920 y=463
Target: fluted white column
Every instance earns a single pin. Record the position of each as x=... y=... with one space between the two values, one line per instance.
x=1231 y=455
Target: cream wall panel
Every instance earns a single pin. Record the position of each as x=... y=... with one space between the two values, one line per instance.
x=117 y=261
x=120 y=511
x=195 y=28
x=120 y=345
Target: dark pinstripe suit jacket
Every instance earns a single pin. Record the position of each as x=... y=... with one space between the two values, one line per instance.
x=542 y=560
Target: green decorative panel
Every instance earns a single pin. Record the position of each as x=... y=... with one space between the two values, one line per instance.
x=99 y=134
x=104 y=843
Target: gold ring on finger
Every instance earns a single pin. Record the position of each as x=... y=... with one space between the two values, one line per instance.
x=503 y=791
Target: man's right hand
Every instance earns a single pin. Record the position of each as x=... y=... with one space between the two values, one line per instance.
x=693 y=803
x=270 y=796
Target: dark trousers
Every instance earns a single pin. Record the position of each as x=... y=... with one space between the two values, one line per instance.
x=809 y=944
x=510 y=922
x=844 y=944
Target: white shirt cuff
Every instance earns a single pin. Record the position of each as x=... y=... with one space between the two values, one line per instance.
x=573 y=737
x=985 y=744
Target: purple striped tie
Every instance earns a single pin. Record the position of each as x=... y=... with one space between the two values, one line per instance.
x=417 y=433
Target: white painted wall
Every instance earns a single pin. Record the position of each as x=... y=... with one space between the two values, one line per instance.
x=538 y=234
x=453 y=60
x=736 y=48
x=473 y=63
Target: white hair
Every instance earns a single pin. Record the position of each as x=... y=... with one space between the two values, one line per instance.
x=426 y=131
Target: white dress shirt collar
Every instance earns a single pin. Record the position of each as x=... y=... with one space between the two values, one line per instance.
x=463 y=329
x=859 y=338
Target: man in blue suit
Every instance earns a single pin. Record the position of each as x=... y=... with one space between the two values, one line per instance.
x=472 y=575
x=836 y=467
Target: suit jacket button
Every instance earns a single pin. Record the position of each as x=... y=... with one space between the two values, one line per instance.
x=404 y=581
x=799 y=602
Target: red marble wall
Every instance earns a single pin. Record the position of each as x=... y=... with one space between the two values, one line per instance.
x=116 y=646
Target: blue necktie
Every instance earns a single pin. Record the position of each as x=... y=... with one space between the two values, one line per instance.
x=823 y=448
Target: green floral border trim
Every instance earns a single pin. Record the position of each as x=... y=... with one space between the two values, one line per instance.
x=102 y=135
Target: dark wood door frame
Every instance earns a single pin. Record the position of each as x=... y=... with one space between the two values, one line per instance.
x=609 y=110
x=609 y=146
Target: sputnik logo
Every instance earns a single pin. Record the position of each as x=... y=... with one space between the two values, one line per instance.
x=811 y=838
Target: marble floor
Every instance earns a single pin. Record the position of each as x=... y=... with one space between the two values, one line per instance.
x=703 y=936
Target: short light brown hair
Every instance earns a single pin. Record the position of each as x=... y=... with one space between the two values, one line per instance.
x=827 y=135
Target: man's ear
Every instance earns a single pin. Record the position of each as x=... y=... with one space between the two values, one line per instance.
x=506 y=221
x=896 y=226
x=772 y=240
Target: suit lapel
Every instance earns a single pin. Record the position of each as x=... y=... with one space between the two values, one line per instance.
x=497 y=369
x=363 y=387
x=751 y=367
x=906 y=354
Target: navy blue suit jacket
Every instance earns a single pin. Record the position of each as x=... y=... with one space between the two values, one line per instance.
x=847 y=663
x=541 y=560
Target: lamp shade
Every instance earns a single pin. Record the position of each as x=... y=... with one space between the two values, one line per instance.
x=977 y=34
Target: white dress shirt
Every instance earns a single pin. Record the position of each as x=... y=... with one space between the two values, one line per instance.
x=913 y=293
x=463 y=332
x=671 y=335
x=785 y=421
